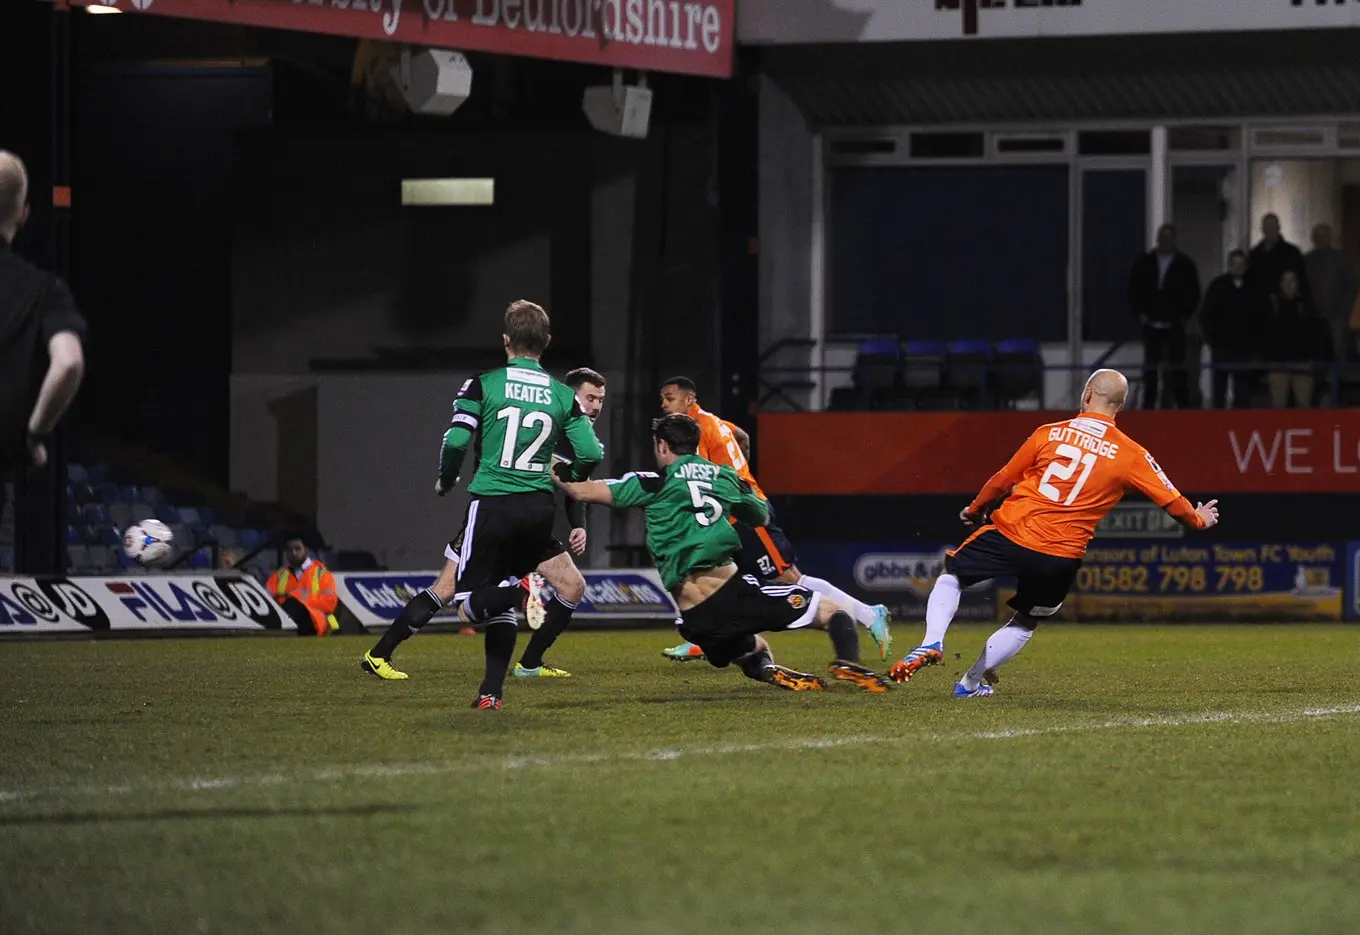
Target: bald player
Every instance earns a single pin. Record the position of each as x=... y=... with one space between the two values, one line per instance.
x=1062 y=482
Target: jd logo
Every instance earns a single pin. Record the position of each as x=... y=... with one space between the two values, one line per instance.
x=970 y=8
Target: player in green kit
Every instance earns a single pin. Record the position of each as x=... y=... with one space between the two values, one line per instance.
x=692 y=544
x=512 y=416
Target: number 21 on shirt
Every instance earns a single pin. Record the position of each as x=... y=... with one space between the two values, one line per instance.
x=1069 y=459
x=525 y=461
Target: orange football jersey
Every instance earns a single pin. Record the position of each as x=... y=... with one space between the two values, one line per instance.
x=719 y=445
x=1066 y=477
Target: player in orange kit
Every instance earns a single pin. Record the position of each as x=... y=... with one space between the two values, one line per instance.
x=1061 y=483
x=766 y=552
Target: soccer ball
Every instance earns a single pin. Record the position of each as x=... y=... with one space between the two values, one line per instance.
x=148 y=542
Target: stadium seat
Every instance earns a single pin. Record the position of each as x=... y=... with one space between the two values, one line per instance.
x=208 y=516
x=109 y=535
x=226 y=537
x=923 y=371
x=6 y=558
x=201 y=558
x=120 y=515
x=109 y=492
x=167 y=514
x=131 y=493
x=966 y=371
x=96 y=514
x=77 y=474
x=251 y=539
x=153 y=496
x=77 y=558
x=85 y=494
x=141 y=511
x=875 y=372
x=103 y=557
x=189 y=515
x=89 y=535
x=1018 y=370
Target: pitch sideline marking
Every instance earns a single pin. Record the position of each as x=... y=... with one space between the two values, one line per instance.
x=398 y=770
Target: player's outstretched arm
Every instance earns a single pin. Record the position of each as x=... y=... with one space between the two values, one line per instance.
x=1149 y=479
x=587 y=491
x=999 y=484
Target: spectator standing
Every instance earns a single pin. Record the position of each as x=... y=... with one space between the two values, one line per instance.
x=1164 y=293
x=305 y=589
x=1271 y=257
x=1332 y=284
x=1232 y=317
x=1295 y=339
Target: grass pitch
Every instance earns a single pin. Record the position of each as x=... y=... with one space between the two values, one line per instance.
x=1135 y=780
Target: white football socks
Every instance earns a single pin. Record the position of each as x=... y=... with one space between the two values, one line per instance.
x=941 y=606
x=862 y=612
x=1002 y=646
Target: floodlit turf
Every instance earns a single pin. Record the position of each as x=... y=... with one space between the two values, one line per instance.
x=1129 y=779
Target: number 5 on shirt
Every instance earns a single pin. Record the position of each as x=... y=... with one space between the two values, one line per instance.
x=1063 y=471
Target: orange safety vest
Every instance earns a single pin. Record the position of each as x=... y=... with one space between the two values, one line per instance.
x=283 y=576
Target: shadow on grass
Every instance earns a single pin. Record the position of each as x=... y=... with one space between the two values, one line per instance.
x=198 y=814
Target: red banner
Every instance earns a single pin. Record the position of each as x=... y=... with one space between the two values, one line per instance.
x=693 y=37
x=1208 y=453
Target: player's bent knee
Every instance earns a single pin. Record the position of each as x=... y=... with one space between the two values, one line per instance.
x=1028 y=620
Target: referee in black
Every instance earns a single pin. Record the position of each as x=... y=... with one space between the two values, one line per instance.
x=42 y=362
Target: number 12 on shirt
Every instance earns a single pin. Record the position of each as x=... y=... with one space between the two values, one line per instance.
x=1063 y=471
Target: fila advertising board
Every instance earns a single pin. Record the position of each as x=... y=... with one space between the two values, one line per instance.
x=376 y=597
x=137 y=602
x=693 y=37
x=772 y=21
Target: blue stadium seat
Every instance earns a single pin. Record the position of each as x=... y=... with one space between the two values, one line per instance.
x=967 y=369
x=1018 y=370
x=76 y=473
x=208 y=516
x=6 y=558
x=251 y=539
x=96 y=514
x=167 y=514
x=72 y=535
x=85 y=494
x=141 y=511
x=89 y=535
x=201 y=558
x=923 y=368
x=109 y=492
x=109 y=535
x=226 y=537
x=189 y=515
x=99 y=472
x=120 y=515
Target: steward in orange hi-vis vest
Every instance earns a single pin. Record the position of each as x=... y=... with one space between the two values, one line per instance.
x=305 y=589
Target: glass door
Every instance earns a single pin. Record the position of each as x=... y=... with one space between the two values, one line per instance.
x=1206 y=209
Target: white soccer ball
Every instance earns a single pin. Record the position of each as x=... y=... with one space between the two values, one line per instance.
x=148 y=542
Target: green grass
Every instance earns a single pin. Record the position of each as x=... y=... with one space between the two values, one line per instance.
x=263 y=785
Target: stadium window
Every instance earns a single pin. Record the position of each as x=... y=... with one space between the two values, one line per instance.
x=947 y=145
x=447 y=193
x=1114 y=143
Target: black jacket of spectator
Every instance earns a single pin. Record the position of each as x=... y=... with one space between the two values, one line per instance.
x=1266 y=265
x=34 y=306
x=1295 y=333
x=1169 y=300
x=1233 y=314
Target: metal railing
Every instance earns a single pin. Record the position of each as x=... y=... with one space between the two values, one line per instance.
x=976 y=384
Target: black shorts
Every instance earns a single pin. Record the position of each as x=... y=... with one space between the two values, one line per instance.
x=725 y=625
x=504 y=537
x=1042 y=580
x=765 y=551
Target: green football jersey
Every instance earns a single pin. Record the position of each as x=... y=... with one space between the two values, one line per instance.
x=688 y=509
x=516 y=414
